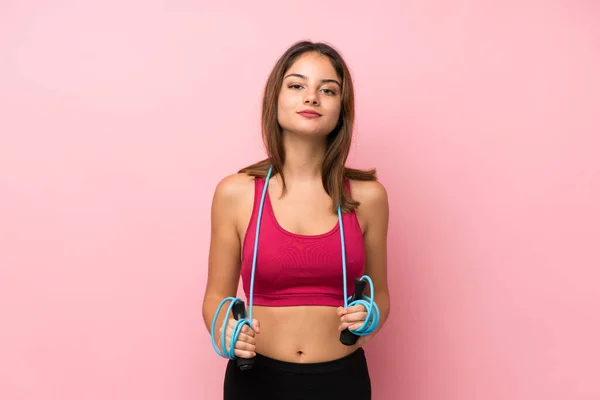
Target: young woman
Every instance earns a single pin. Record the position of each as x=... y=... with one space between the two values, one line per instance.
x=296 y=277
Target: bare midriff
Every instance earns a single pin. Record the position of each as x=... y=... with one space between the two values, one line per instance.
x=300 y=334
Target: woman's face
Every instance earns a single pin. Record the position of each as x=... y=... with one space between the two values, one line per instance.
x=310 y=98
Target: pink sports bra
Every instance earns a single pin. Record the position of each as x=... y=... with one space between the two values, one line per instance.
x=293 y=269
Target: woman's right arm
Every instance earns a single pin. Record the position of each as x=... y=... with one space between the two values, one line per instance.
x=224 y=252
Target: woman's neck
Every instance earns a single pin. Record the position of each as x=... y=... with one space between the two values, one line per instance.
x=303 y=157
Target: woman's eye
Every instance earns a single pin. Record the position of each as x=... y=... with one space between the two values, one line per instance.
x=296 y=86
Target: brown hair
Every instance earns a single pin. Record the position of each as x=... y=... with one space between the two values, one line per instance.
x=334 y=170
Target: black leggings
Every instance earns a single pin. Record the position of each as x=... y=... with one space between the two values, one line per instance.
x=344 y=379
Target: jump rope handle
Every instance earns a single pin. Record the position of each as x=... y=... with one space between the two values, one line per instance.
x=239 y=311
x=346 y=337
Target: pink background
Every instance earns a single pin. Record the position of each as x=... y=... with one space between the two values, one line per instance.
x=118 y=118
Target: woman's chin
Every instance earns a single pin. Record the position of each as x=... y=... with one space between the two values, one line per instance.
x=307 y=133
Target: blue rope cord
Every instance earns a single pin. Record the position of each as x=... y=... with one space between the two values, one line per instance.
x=368 y=327
x=373 y=316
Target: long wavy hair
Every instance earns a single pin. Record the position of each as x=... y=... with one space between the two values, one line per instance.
x=334 y=169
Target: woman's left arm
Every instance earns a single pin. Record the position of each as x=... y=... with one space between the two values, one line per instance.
x=374 y=214
x=376 y=211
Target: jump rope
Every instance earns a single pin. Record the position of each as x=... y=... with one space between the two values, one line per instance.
x=347 y=337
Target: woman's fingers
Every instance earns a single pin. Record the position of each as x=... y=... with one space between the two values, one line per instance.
x=350 y=325
x=246 y=330
x=245 y=345
x=246 y=339
x=256 y=325
x=354 y=317
x=354 y=309
x=244 y=353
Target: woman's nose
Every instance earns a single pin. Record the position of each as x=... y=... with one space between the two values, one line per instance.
x=311 y=98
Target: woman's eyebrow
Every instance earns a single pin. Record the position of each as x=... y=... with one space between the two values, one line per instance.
x=322 y=81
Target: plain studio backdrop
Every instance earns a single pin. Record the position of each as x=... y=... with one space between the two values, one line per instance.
x=118 y=118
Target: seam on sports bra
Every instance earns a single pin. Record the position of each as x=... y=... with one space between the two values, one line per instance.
x=253 y=215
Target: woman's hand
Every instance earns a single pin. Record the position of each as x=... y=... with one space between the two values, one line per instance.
x=245 y=346
x=353 y=318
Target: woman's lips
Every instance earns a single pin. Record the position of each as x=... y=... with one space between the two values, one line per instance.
x=309 y=114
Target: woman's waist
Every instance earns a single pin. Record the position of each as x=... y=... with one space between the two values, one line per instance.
x=300 y=334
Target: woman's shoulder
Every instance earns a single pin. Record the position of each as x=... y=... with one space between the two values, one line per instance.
x=372 y=198
x=234 y=188
x=368 y=193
